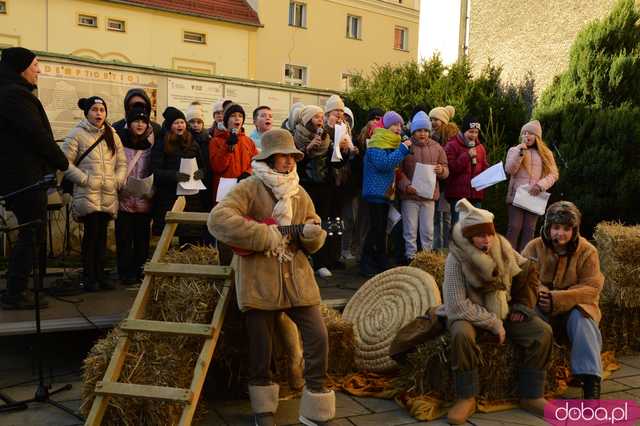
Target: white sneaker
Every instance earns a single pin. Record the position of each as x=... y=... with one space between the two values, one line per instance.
x=346 y=255
x=324 y=273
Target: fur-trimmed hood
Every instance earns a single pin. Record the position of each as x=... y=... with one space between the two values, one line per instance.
x=490 y=274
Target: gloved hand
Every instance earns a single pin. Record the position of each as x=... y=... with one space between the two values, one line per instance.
x=198 y=174
x=274 y=238
x=311 y=231
x=232 y=141
x=182 y=177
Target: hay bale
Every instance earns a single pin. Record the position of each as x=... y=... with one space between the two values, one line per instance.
x=619 y=250
x=341 y=342
x=432 y=262
x=154 y=359
x=619 y=326
x=428 y=370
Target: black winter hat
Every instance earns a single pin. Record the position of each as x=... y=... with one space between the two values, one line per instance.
x=230 y=109
x=17 y=59
x=470 y=121
x=138 y=112
x=136 y=91
x=170 y=115
x=85 y=104
x=373 y=113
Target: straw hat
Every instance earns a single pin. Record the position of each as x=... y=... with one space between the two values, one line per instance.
x=278 y=141
x=382 y=306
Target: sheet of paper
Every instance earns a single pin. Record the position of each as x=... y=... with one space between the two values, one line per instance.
x=535 y=204
x=393 y=218
x=225 y=185
x=181 y=191
x=424 y=180
x=489 y=177
x=189 y=166
x=139 y=187
x=340 y=130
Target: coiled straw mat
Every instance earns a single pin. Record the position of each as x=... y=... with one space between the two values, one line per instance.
x=382 y=306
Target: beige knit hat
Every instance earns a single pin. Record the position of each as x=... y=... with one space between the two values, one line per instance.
x=474 y=221
x=534 y=127
x=217 y=107
x=278 y=141
x=195 y=111
x=307 y=113
x=333 y=103
x=444 y=114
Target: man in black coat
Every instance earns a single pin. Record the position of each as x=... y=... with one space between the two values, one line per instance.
x=28 y=152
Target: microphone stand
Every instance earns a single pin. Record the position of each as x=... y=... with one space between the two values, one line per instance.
x=43 y=393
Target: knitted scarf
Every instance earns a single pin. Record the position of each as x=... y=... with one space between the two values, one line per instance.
x=490 y=274
x=384 y=139
x=283 y=186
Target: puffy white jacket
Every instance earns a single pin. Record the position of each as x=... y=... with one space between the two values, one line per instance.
x=99 y=175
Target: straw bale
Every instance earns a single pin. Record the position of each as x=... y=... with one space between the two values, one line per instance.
x=154 y=359
x=341 y=341
x=619 y=327
x=431 y=262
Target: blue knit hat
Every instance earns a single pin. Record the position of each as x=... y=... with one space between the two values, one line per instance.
x=390 y=118
x=420 y=121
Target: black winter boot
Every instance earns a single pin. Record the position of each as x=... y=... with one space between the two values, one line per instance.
x=590 y=386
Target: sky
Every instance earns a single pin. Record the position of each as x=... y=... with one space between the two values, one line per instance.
x=439 y=23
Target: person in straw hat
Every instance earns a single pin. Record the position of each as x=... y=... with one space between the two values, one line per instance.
x=277 y=277
x=479 y=296
x=569 y=291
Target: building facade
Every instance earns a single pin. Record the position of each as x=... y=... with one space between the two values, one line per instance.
x=525 y=35
x=314 y=43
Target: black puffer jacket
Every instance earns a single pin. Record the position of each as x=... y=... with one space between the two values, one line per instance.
x=27 y=147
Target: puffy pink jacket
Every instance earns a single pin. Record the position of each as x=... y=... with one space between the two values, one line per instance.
x=519 y=175
x=142 y=169
x=461 y=171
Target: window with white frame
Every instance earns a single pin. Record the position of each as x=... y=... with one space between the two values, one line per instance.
x=354 y=27
x=116 y=25
x=88 y=21
x=295 y=75
x=347 y=81
x=401 y=38
x=3 y=7
x=191 y=37
x=298 y=14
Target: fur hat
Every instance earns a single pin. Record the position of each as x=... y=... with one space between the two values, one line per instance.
x=17 y=59
x=170 y=115
x=563 y=213
x=85 y=104
x=230 y=109
x=307 y=113
x=474 y=221
x=278 y=141
x=532 y=127
x=444 y=114
x=195 y=111
x=333 y=103
x=420 y=121
x=390 y=118
x=468 y=121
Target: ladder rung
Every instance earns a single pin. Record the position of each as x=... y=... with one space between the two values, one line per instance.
x=144 y=391
x=188 y=270
x=187 y=218
x=167 y=327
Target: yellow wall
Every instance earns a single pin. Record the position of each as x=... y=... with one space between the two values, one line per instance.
x=323 y=46
x=152 y=38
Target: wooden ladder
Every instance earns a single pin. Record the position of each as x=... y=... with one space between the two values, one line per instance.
x=134 y=323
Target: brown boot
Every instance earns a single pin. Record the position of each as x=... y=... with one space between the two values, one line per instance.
x=535 y=406
x=461 y=411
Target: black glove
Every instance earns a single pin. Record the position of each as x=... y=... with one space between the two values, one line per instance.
x=198 y=174
x=182 y=177
x=243 y=176
x=233 y=140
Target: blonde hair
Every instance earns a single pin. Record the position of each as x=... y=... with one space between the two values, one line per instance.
x=548 y=161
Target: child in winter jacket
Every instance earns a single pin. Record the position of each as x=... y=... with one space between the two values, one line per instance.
x=529 y=163
x=418 y=210
x=97 y=179
x=384 y=154
x=133 y=224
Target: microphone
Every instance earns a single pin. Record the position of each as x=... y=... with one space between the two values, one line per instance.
x=319 y=132
x=234 y=138
x=472 y=144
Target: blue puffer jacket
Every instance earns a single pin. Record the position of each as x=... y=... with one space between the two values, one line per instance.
x=379 y=172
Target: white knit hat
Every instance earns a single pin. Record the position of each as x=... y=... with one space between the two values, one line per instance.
x=333 y=103
x=217 y=107
x=474 y=221
x=195 y=111
x=307 y=113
